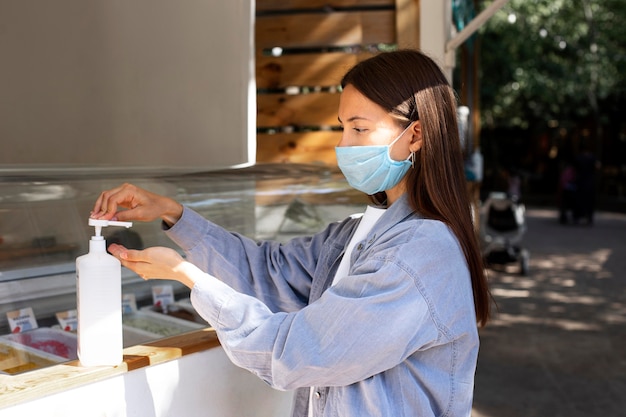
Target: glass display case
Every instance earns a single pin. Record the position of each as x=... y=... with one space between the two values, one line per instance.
x=43 y=228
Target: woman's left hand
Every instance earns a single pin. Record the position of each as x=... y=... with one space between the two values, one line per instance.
x=153 y=263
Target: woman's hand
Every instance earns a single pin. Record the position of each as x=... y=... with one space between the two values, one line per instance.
x=155 y=263
x=142 y=205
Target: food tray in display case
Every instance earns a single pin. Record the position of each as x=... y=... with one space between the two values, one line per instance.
x=59 y=343
x=182 y=310
x=133 y=336
x=16 y=358
x=156 y=326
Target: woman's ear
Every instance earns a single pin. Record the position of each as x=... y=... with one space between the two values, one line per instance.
x=416 y=139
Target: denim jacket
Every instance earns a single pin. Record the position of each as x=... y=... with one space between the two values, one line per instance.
x=396 y=337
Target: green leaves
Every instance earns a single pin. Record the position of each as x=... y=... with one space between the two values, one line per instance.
x=545 y=60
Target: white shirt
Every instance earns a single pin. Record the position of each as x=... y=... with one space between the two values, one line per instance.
x=370 y=217
x=368 y=220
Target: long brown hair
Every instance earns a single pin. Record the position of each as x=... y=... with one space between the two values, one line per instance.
x=410 y=86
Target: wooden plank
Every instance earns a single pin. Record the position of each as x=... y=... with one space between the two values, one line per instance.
x=266 y=5
x=408 y=23
x=334 y=29
x=316 y=109
x=309 y=147
x=379 y=27
x=323 y=69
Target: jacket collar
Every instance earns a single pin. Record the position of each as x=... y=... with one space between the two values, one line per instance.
x=394 y=214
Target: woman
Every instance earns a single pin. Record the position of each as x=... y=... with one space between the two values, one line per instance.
x=371 y=316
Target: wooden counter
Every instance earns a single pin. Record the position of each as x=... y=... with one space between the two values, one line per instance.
x=28 y=386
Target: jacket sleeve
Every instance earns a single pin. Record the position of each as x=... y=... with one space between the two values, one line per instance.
x=342 y=338
x=280 y=275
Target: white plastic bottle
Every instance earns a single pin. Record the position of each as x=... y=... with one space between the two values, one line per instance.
x=99 y=302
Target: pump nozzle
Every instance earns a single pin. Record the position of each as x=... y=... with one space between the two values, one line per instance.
x=99 y=224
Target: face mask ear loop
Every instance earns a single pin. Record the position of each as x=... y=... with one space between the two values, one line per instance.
x=412 y=154
x=393 y=142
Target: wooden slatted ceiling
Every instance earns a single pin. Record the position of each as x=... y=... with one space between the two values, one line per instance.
x=301 y=148
x=297 y=97
x=323 y=30
x=318 y=69
x=315 y=109
x=273 y=5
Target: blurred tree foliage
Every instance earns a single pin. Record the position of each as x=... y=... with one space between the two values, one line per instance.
x=552 y=61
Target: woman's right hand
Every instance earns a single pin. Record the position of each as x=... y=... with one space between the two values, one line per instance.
x=141 y=205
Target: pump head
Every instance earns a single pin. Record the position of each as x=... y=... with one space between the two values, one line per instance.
x=99 y=224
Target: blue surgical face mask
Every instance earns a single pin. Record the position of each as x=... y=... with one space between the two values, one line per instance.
x=370 y=169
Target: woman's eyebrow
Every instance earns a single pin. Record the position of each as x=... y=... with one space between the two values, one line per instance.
x=353 y=118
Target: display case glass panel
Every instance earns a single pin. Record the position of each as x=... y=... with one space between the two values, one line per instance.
x=43 y=228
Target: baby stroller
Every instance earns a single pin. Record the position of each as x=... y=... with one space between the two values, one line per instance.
x=502 y=228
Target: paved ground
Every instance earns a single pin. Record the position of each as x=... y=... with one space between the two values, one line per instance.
x=557 y=346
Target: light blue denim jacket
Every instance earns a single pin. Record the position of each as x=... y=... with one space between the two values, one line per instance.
x=396 y=337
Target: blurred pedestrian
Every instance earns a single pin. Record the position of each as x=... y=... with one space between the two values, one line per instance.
x=585 y=186
x=567 y=197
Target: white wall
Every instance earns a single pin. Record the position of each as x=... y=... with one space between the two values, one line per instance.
x=127 y=83
x=435 y=30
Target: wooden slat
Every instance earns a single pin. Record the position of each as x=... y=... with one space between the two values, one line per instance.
x=323 y=69
x=265 y=5
x=407 y=23
x=334 y=29
x=310 y=147
x=379 y=27
x=316 y=109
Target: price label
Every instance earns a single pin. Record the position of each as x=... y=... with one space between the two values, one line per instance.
x=22 y=320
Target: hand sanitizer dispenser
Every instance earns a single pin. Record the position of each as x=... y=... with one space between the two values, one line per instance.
x=99 y=302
